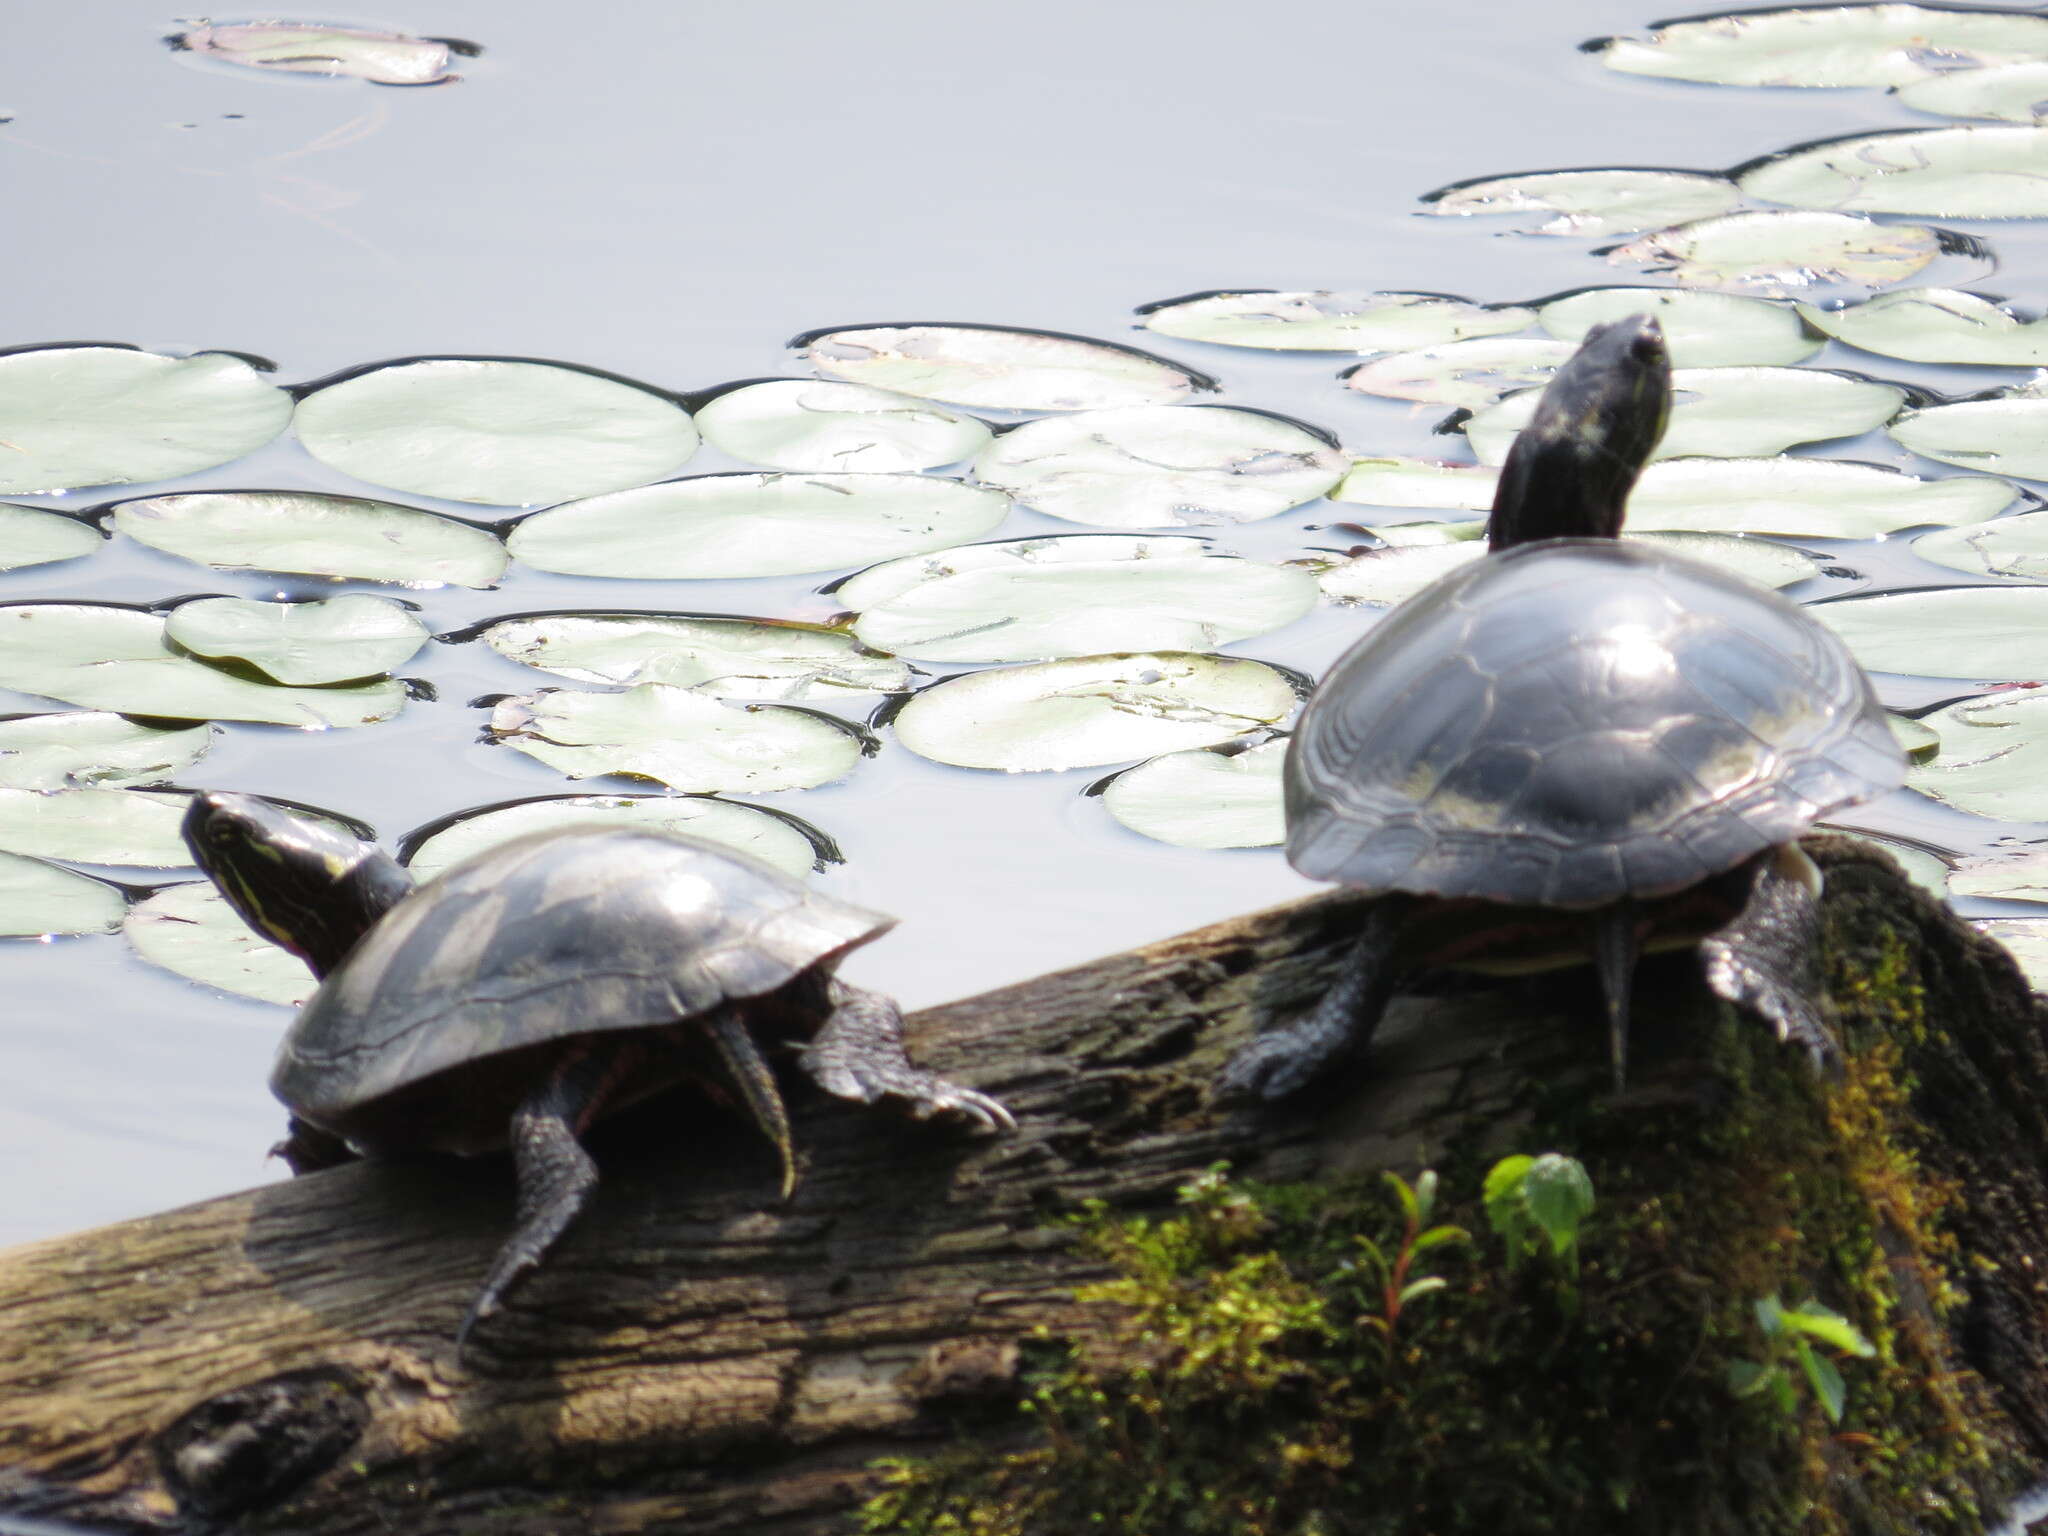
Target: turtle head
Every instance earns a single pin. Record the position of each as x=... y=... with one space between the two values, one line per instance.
x=303 y=884
x=1569 y=473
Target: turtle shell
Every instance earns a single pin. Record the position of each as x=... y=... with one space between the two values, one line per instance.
x=549 y=936
x=1572 y=721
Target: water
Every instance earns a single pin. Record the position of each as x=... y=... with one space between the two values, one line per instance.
x=671 y=194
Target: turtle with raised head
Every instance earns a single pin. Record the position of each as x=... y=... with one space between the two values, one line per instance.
x=1576 y=747
x=546 y=981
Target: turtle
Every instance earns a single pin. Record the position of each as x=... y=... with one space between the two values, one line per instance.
x=547 y=980
x=1574 y=748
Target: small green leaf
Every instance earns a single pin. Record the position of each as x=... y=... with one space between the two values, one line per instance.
x=1746 y=1378
x=1559 y=1196
x=1422 y=1287
x=1436 y=1237
x=1825 y=1379
x=1425 y=1194
x=1770 y=1315
x=1829 y=1326
x=1411 y=1204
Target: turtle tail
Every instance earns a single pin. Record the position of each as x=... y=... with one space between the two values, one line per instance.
x=1616 y=947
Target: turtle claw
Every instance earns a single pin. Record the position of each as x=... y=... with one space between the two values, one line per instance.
x=1274 y=1066
x=858 y=1055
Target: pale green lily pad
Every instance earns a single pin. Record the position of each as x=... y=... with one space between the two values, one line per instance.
x=38 y=899
x=756 y=525
x=92 y=749
x=1782 y=252
x=334 y=641
x=73 y=416
x=1203 y=798
x=1393 y=481
x=499 y=431
x=1974 y=634
x=102 y=657
x=2026 y=941
x=2006 y=434
x=1728 y=412
x=1610 y=201
x=782 y=841
x=308 y=533
x=1473 y=374
x=96 y=826
x=1331 y=322
x=688 y=741
x=1701 y=329
x=1808 y=498
x=1936 y=325
x=1161 y=466
x=1088 y=711
x=1917 y=864
x=1917 y=739
x=826 y=424
x=2021 y=875
x=191 y=930
x=383 y=58
x=2006 y=546
x=2006 y=93
x=30 y=536
x=725 y=657
x=998 y=368
x=1950 y=173
x=1828 y=45
x=1992 y=757
x=1079 y=595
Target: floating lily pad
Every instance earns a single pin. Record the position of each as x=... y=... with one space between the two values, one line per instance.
x=1331 y=322
x=1701 y=330
x=191 y=930
x=1936 y=325
x=29 y=536
x=500 y=431
x=1917 y=864
x=2026 y=941
x=1728 y=412
x=1953 y=173
x=343 y=638
x=1616 y=200
x=306 y=533
x=38 y=899
x=787 y=842
x=1204 y=798
x=688 y=741
x=103 y=657
x=820 y=424
x=1473 y=374
x=1992 y=757
x=724 y=657
x=2006 y=546
x=998 y=368
x=2021 y=875
x=1811 y=498
x=1161 y=466
x=1393 y=481
x=2006 y=434
x=1918 y=740
x=1987 y=634
x=96 y=826
x=383 y=58
x=1784 y=251
x=1080 y=595
x=1828 y=45
x=2007 y=93
x=1091 y=710
x=73 y=416
x=87 y=749
x=756 y=525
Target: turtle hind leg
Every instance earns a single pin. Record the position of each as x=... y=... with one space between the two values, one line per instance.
x=858 y=1054
x=1763 y=961
x=1616 y=947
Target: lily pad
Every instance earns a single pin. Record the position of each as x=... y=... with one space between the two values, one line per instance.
x=1993 y=756
x=1810 y=498
x=1088 y=711
x=1080 y=595
x=1330 y=322
x=2006 y=93
x=1951 y=173
x=787 y=842
x=1936 y=325
x=1829 y=45
x=92 y=749
x=725 y=657
x=334 y=641
x=1204 y=798
x=2006 y=434
x=2006 y=546
x=191 y=930
x=29 y=536
x=1161 y=466
x=755 y=525
x=2020 y=875
x=1393 y=481
x=1615 y=200
x=999 y=368
x=821 y=424
x=87 y=415
x=38 y=899
x=96 y=826
x=1701 y=329
x=1473 y=374
x=1780 y=252
x=501 y=431
x=2026 y=941
x=1917 y=864
x=1977 y=634
x=307 y=533
x=103 y=657
x=1918 y=740
x=383 y=58
x=688 y=741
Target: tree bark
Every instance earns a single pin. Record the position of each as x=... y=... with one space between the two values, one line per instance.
x=696 y=1357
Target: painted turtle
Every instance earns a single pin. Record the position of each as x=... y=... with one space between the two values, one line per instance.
x=1576 y=746
x=543 y=982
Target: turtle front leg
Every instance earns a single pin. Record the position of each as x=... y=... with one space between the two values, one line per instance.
x=858 y=1055
x=307 y=1149
x=1764 y=960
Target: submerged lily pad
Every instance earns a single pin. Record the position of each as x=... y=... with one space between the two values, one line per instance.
x=1473 y=373
x=755 y=525
x=1812 y=498
x=2006 y=546
x=999 y=368
x=1784 y=251
x=29 y=536
x=93 y=749
x=1087 y=711
x=1080 y=595
x=1161 y=466
x=2019 y=875
x=383 y=58
x=818 y=424
x=1889 y=44
x=1936 y=325
x=1993 y=756
x=1330 y=322
x=307 y=533
x=96 y=826
x=501 y=431
x=1616 y=200
x=38 y=899
x=790 y=844
x=1988 y=634
x=1952 y=173
x=73 y=416
x=688 y=741
x=1393 y=481
x=725 y=657
x=2026 y=941
x=2006 y=434
x=2007 y=93
x=1701 y=329
x=343 y=638
x=191 y=930
x=1204 y=798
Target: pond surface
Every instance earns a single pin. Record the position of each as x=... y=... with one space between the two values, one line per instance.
x=671 y=194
